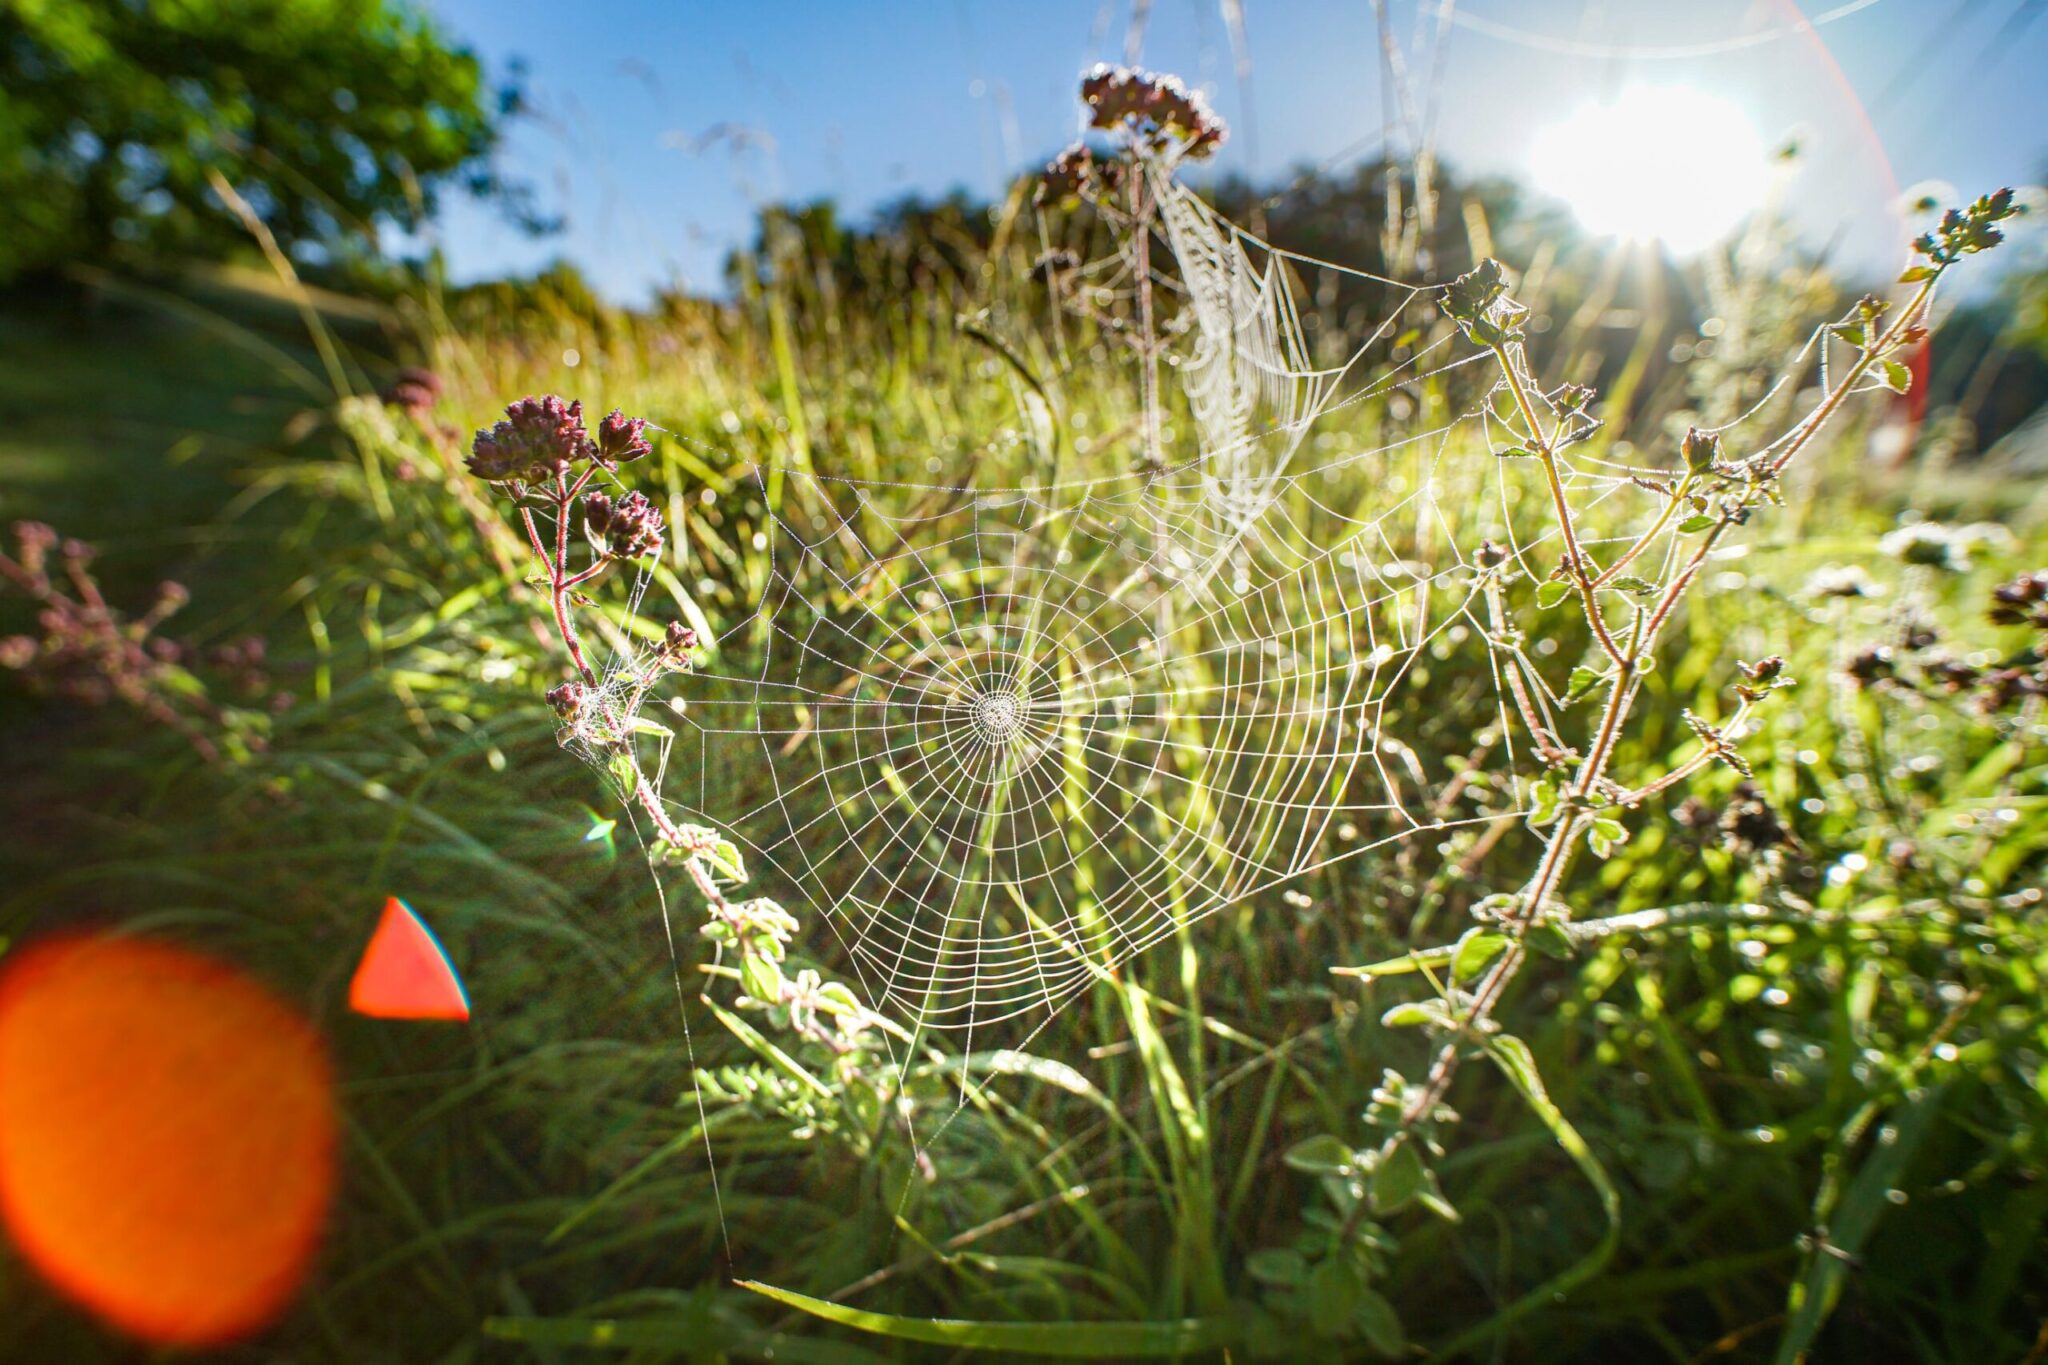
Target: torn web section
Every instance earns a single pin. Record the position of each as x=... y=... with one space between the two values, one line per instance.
x=1254 y=378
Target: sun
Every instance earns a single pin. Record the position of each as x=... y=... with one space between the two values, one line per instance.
x=1662 y=163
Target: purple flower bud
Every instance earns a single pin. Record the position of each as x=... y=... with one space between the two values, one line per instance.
x=625 y=528
x=1702 y=450
x=567 y=700
x=621 y=438
x=35 y=535
x=413 y=389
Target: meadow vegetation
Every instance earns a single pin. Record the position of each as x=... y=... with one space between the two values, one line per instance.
x=1734 y=1048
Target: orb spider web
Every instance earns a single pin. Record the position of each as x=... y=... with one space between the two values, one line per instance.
x=1004 y=741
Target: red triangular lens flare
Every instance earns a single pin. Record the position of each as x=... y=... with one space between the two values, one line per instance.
x=404 y=973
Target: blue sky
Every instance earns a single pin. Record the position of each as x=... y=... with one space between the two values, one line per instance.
x=662 y=124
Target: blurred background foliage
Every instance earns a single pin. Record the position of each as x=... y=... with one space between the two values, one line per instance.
x=332 y=118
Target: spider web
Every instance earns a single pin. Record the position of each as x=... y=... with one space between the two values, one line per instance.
x=1001 y=739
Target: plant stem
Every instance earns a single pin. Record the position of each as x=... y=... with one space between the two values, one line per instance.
x=1562 y=845
x=1644 y=541
x=1575 y=559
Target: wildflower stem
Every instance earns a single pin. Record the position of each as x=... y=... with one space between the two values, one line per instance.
x=1148 y=340
x=533 y=535
x=1908 y=316
x=1563 y=843
x=1647 y=538
x=1576 y=560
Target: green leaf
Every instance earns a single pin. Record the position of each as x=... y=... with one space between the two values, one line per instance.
x=1083 y=1340
x=1604 y=835
x=1635 y=587
x=1413 y=961
x=1329 y=1293
x=1378 y=1323
x=1552 y=593
x=1917 y=273
x=1277 y=1265
x=1474 y=951
x=1398 y=1178
x=1550 y=941
x=1323 y=1154
x=1415 y=1013
x=1584 y=680
x=1897 y=377
x=761 y=978
x=1691 y=524
x=724 y=857
x=1514 y=453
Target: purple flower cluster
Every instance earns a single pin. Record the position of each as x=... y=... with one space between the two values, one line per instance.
x=541 y=438
x=628 y=527
x=2022 y=602
x=90 y=652
x=414 y=390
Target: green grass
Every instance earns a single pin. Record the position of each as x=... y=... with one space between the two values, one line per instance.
x=1775 y=1130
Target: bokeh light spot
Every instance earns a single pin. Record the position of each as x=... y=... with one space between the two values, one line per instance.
x=167 y=1135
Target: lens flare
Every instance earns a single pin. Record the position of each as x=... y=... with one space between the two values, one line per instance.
x=167 y=1135
x=405 y=973
x=1657 y=163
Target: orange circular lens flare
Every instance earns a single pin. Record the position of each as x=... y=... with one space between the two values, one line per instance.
x=167 y=1135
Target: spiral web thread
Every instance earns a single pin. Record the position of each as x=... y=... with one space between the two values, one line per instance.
x=1002 y=739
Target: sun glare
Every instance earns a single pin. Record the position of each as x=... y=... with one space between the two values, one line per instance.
x=1663 y=163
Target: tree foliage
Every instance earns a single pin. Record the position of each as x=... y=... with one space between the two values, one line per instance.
x=329 y=117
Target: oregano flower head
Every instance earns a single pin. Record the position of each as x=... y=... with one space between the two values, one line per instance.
x=1159 y=109
x=539 y=439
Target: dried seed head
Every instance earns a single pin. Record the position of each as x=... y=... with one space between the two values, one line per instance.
x=1749 y=825
x=1763 y=670
x=1067 y=176
x=1871 y=666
